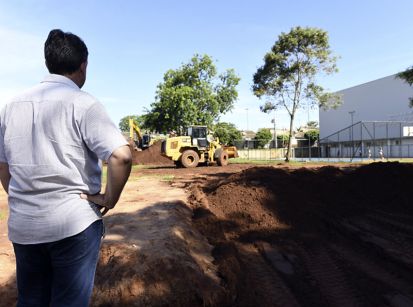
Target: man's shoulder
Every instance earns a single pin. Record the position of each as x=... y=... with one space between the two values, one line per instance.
x=23 y=96
x=26 y=94
x=84 y=100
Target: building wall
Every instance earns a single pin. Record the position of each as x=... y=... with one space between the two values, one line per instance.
x=385 y=99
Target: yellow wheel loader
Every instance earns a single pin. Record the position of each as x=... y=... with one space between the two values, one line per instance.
x=197 y=147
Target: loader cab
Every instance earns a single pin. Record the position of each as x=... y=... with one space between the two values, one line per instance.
x=198 y=136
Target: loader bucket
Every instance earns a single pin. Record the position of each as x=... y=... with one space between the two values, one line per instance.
x=232 y=151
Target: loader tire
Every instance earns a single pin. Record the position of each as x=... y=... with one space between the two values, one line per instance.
x=223 y=158
x=189 y=158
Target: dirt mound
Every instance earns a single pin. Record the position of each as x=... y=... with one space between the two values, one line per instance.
x=259 y=236
x=313 y=237
x=151 y=156
x=166 y=269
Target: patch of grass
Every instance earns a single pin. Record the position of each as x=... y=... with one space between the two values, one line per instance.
x=321 y=163
x=168 y=178
x=291 y=163
x=3 y=215
x=247 y=161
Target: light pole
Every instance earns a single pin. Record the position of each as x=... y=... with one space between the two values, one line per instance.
x=275 y=131
x=246 y=109
x=351 y=132
x=246 y=133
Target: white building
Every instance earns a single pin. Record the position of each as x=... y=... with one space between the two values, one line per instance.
x=373 y=116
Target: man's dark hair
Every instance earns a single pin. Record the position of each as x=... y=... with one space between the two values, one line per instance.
x=64 y=52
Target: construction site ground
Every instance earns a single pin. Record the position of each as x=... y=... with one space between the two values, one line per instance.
x=248 y=235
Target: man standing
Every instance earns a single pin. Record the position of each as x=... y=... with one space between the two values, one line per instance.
x=52 y=138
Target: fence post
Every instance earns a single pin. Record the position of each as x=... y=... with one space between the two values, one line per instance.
x=387 y=141
x=374 y=141
x=361 y=141
x=400 y=145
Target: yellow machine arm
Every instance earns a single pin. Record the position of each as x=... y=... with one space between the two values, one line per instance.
x=132 y=128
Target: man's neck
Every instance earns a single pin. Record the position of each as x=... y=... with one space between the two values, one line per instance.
x=75 y=78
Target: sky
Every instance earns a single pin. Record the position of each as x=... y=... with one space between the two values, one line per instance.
x=133 y=43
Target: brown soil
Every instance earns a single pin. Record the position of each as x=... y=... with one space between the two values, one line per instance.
x=151 y=156
x=243 y=235
x=311 y=237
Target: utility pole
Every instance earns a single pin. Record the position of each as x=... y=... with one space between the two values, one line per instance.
x=275 y=131
x=308 y=131
x=247 y=118
x=246 y=133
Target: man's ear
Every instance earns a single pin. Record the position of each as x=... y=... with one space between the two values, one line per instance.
x=83 y=67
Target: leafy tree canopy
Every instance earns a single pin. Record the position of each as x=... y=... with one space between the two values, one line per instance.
x=263 y=136
x=312 y=135
x=193 y=94
x=227 y=133
x=288 y=76
x=282 y=137
x=139 y=120
x=407 y=76
x=312 y=124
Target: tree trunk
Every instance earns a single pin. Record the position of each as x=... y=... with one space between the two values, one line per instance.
x=290 y=134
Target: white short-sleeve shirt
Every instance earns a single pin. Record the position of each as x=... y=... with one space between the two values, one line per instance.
x=53 y=137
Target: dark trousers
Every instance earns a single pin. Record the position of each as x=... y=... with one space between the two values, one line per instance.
x=58 y=273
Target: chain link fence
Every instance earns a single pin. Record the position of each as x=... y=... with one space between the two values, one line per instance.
x=346 y=151
x=370 y=140
x=261 y=150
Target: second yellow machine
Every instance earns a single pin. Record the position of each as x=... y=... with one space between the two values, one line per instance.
x=197 y=147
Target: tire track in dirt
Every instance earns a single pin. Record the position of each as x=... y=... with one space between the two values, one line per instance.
x=394 y=224
x=285 y=261
x=271 y=291
x=400 y=247
x=320 y=237
x=393 y=283
x=385 y=240
x=329 y=276
x=386 y=244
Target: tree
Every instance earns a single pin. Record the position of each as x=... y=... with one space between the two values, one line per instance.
x=227 y=133
x=262 y=137
x=192 y=94
x=288 y=76
x=283 y=138
x=407 y=76
x=312 y=135
x=312 y=124
x=139 y=120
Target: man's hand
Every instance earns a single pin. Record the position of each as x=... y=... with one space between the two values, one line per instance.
x=97 y=199
x=119 y=167
x=5 y=176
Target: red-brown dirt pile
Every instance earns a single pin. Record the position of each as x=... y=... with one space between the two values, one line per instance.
x=151 y=156
x=157 y=260
x=261 y=236
x=312 y=237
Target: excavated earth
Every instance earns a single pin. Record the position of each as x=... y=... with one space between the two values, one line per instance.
x=150 y=156
x=246 y=235
x=311 y=236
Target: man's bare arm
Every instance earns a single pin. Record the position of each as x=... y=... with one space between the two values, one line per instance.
x=119 y=167
x=5 y=176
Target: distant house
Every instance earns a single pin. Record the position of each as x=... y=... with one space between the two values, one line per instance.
x=248 y=135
